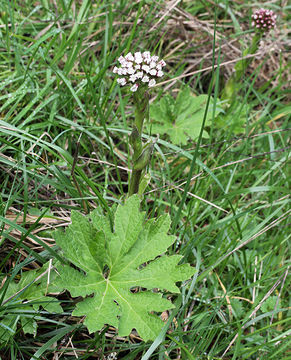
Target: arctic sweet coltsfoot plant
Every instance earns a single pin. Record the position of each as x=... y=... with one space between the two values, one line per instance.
x=121 y=274
x=263 y=21
x=122 y=271
x=140 y=72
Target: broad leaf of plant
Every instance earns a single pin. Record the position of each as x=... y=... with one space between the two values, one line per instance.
x=234 y=119
x=23 y=307
x=182 y=119
x=126 y=270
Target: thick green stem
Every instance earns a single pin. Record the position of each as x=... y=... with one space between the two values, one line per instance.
x=232 y=85
x=141 y=102
x=134 y=182
x=242 y=65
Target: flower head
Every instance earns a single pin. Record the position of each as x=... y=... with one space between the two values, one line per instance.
x=264 y=19
x=139 y=69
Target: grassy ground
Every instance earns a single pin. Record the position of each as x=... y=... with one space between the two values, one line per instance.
x=64 y=126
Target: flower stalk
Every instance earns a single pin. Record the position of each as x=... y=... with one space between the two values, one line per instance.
x=263 y=21
x=141 y=103
x=140 y=71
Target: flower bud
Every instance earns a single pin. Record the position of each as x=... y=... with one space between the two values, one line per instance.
x=144 y=158
x=264 y=20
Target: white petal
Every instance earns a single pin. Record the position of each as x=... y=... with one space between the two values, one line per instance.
x=121 y=81
x=146 y=55
x=145 y=79
x=128 y=64
x=139 y=74
x=121 y=59
x=134 y=88
x=138 y=57
x=129 y=57
x=146 y=68
x=130 y=71
x=132 y=78
x=152 y=82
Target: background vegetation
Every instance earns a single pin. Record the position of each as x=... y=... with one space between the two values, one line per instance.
x=64 y=126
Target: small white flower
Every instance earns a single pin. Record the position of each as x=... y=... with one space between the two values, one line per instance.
x=115 y=70
x=124 y=71
x=121 y=81
x=138 y=58
x=121 y=59
x=152 y=82
x=145 y=79
x=139 y=74
x=153 y=72
x=159 y=66
x=129 y=57
x=147 y=60
x=155 y=58
x=130 y=71
x=162 y=62
x=128 y=64
x=153 y=64
x=160 y=73
x=132 y=78
x=134 y=88
x=146 y=68
x=146 y=55
x=137 y=67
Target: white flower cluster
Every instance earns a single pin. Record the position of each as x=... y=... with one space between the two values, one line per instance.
x=139 y=68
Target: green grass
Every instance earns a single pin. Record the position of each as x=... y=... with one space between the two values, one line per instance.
x=228 y=196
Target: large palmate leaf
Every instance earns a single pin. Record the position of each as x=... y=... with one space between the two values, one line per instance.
x=182 y=118
x=125 y=269
x=22 y=301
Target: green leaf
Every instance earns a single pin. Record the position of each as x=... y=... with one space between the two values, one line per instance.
x=237 y=307
x=27 y=296
x=235 y=118
x=29 y=326
x=182 y=119
x=269 y=304
x=126 y=270
x=8 y=324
